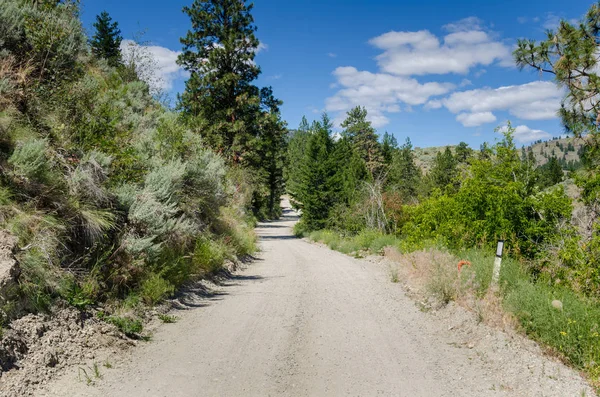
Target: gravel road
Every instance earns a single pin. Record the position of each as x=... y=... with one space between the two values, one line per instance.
x=307 y=321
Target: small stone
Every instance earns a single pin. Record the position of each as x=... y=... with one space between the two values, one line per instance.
x=558 y=305
x=50 y=359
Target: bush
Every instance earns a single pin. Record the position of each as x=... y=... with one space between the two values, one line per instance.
x=154 y=289
x=209 y=255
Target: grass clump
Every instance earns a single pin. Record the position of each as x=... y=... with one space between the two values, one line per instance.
x=165 y=318
x=154 y=289
x=128 y=326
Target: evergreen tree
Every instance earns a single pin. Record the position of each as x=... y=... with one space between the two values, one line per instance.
x=362 y=135
x=219 y=52
x=388 y=147
x=296 y=147
x=315 y=189
x=350 y=170
x=550 y=173
x=463 y=152
x=444 y=169
x=404 y=175
x=106 y=41
x=268 y=155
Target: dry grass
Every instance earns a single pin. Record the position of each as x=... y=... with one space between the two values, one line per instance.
x=433 y=273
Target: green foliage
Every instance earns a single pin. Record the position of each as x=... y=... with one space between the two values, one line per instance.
x=362 y=136
x=219 y=52
x=315 y=190
x=404 y=175
x=497 y=200
x=107 y=191
x=572 y=331
x=165 y=318
x=154 y=289
x=128 y=326
x=209 y=255
x=30 y=160
x=106 y=41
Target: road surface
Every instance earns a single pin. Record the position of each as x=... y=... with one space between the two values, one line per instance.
x=303 y=320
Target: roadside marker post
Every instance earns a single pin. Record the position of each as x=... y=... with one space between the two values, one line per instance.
x=498 y=262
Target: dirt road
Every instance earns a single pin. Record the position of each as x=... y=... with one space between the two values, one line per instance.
x=306 y=321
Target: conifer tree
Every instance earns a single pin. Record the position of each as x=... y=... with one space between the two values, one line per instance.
x=463 y=152
x=362 y=135
x=389 y=145
x=219 y=52
x=444 y=169
x=404 y=175
x=106 y=41
x=296 y=146
x=315 y=189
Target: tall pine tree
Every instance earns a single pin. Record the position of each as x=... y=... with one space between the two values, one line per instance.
x=362 y=135
x=404 y=175
x=315 y=191
x=106 y=41
x=219 y=53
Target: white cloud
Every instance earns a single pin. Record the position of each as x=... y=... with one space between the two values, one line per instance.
x=332 y=55
x=475 y=119
x=552 y=21
x=464 y=25
x=433 y=104
x=538 y=100
x=422 y=53
x=524 y=134
x=262 y=47
x=380 y=93
x=156 y=65
x=465 y=83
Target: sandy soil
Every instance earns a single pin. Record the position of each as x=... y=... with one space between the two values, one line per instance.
x=306 y=321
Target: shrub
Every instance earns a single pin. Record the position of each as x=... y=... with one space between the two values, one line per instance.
x=154 y=289
x=209 y=255
x=30 y=160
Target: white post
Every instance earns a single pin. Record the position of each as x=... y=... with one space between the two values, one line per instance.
x=498 y=262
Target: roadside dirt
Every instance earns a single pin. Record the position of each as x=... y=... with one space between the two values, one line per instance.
x=306 y=321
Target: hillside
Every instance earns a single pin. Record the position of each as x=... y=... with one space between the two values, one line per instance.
x=566 y=150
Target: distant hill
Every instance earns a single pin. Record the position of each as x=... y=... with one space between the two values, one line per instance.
x=566 y=150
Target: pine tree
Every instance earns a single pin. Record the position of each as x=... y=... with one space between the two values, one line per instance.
x=106 y=42
x=296 y=147
x=404 y=175
x=219 y=52
x=463 y=152
x=444 y=169
x=315 y=191
x=350 y=169
x=388 y=147
x=362 y=135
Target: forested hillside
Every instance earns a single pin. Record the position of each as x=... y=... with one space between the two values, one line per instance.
x=109 y=199
x=362 y=192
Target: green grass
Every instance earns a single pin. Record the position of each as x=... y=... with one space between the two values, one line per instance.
x=165 y=318
x=130 y=327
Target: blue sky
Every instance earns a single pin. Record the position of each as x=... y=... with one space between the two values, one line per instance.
x=436 y=71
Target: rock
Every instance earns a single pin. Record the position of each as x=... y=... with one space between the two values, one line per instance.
x=9 y=268
x=51 y=358
x=558 y=305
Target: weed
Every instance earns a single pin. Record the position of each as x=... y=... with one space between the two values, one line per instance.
x=165 y=318
x=154 y=289
x=88 y=379
x=394 y=274
x=96 y=369
x=128 y=326
x=107 y=364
